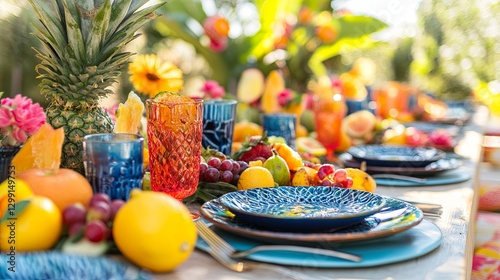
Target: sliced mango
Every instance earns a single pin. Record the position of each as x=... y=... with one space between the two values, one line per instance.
x=42 y=150
x=275 y=83
x=129 y=115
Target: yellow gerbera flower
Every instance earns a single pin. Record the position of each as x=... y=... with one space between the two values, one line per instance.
x=149 y=75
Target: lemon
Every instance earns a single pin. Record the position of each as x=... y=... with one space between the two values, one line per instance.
x=38 y=227
x=255 y=177
x=154 y=230
x=18 y=189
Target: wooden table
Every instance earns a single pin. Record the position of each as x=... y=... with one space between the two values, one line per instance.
x=451 y=260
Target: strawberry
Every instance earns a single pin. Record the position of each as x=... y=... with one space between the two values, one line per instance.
x=253 y=148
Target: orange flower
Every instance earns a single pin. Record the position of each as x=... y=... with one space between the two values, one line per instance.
x=216 y=28
x=326 y=34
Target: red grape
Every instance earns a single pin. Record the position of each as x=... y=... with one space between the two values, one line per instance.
x=236 y=177
x=327 y=182
x=99 y=197
x=214 y=162
x=96 y=231
x=73 y=214
x=203 y=169
x=75 y=228
x=226 y=176
x=115 y=206
x=347 y=183
x=243 y=166
x=236 y=168
x=309 y=164
x=99 y=211
x=212 y=175
x=340 y=175
x=226 y=165
x=325 y=170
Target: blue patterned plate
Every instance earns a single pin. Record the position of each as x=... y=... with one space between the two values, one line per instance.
x=302 y=209
x=367 y=229
x=395 y=156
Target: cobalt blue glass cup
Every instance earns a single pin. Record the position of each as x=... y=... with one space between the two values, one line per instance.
x=218 y=124
x=114 y=163
x=281 y=125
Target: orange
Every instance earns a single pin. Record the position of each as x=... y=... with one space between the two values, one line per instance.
x=129 y=115
x=42 y=150
x=38 y=227
x=245 y=129
x=292 y=157
x=255 y=177
x=154 y=230
x=63 y=186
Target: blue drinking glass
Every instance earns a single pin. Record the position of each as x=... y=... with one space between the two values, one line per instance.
x=114 y=163
x=280 y=124
x=218 y=124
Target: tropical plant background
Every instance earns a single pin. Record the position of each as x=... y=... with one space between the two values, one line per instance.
x=453 y=50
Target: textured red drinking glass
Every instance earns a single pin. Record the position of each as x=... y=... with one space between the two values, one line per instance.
x=174 y=130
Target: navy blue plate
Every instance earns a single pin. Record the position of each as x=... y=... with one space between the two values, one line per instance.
x=302 y=209
x=433 y=169
x=367 y=229
x=396 y=156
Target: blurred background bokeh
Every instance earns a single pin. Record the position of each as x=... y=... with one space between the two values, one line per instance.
x=450 y=48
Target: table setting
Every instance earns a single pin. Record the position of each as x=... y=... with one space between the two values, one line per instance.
x=405 y=165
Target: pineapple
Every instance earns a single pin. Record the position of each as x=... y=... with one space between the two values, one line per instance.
x=81 y=58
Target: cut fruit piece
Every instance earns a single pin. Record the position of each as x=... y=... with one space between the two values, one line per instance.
x=85 y=247
x=359 y=124
x=274 y=85
x=42 y=150
x=250 y=86
x=361 y=180
x=166 y=96
x=310 y=145
x=129 y=115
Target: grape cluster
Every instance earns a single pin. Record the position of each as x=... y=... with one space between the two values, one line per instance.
x=329 y=176
x=96 y=221
x=217 y=170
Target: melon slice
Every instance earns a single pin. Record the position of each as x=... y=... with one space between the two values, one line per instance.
x=129 y=115
x=250 y=86
x=359 y=124
x=42 y=150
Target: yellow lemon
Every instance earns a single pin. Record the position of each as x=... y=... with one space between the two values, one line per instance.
x=38 y=227
x=12 y=191
x=395 y=135
x=255 y=177
x=154 y=230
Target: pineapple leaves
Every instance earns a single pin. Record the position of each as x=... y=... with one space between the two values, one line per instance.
x=135 y=5
x=118 y=14
x=53 y=37
x=98 y=29
x=75 y=37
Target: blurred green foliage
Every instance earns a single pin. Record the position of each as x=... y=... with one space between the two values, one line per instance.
x=301 y=58
x=457 y=46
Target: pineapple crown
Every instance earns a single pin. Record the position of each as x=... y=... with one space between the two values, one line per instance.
x=82 y=43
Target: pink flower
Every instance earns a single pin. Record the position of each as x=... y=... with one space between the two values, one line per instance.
x=213 y=90
x=284 y=97
x=19 y=118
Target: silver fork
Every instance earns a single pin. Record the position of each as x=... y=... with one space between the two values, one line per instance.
x=221 y=251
